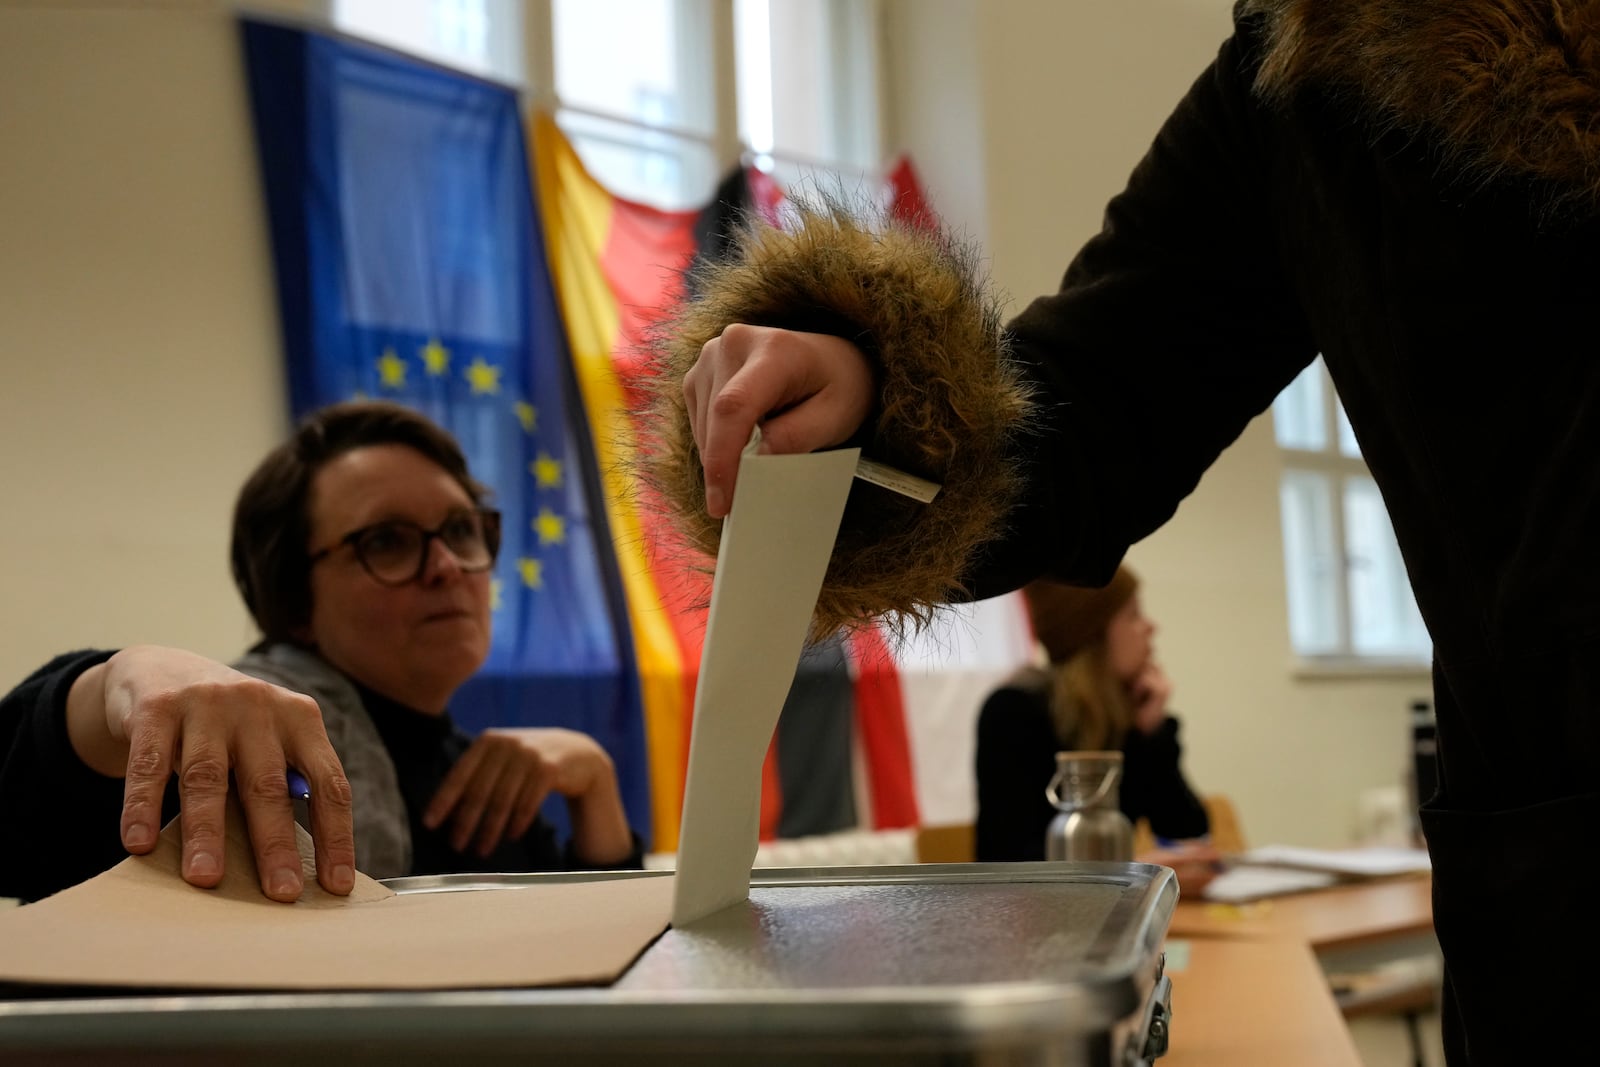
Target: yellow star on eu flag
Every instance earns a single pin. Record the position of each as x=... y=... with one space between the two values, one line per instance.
x=546 y=471
x=484 y=377
x=436 y=358
x=494 y=594
x=391 y=370
x=532 y=573
x=528 y=415
x=551 y=528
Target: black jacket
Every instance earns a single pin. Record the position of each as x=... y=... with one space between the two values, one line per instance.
x=61 y=822
x=1446 y=264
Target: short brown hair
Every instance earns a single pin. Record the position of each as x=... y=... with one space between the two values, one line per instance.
x=271 y=526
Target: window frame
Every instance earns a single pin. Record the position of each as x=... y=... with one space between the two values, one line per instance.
x=725 y=143
x=1332 y=462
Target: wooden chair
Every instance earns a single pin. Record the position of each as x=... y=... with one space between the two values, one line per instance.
x=945 y=844
x=1226 y=833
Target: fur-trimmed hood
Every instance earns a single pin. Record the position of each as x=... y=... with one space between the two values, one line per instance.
x=949 y=407
x=1503 y=87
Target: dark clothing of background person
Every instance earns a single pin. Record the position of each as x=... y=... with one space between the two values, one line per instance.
x=1016 y=758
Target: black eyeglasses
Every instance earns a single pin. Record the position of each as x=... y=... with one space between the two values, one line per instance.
x=395 y=552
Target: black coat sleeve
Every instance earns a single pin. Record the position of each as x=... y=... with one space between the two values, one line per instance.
x=1173 y=328
x=1153 y=786
x=1015 y=760
x=62 y=820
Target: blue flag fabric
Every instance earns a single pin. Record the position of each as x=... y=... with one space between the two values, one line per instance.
x=410 y=266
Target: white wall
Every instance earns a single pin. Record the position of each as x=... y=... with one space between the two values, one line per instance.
x=1024 y=117
x=141 y=378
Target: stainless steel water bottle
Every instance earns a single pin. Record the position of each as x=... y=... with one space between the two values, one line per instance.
x=1089 y=824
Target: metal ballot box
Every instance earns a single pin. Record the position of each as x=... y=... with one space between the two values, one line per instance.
x=986 y=964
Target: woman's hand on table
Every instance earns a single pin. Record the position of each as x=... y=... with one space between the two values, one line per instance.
x=494 y=791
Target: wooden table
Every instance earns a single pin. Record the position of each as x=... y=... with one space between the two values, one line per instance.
x=1255 y=988
x=1344 y=916
x=1255 y=1003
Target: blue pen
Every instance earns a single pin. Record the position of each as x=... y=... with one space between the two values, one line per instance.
x=299 y=789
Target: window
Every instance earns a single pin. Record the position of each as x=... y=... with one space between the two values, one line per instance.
x=646 y=112
x=808 y=109
x=481 y=36
x=1349 y=597
x=662 y=97
x=636 y=87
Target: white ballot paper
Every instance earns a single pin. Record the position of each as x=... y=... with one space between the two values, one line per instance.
x=775 y=548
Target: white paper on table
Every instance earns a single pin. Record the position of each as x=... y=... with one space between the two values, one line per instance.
x=1357 y=862
x=775 y=548
x=1239 y=884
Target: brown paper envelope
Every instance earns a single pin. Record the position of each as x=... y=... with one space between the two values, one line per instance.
x=140 y=925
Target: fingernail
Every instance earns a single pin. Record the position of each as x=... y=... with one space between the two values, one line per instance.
x=716 y=500
x=139 y=835
x=344 y=876
x=285 y=883
x=203 y=865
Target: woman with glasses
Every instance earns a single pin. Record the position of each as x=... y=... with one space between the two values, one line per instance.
x=362 y=547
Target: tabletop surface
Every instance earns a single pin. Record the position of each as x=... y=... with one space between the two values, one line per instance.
x=1252 y=991
x=1243 y=1003
x=1337 y=917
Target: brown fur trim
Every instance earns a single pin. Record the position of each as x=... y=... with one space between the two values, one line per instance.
x=950 y=401
x=1506 y=87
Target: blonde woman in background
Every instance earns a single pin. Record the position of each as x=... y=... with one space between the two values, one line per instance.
x=1102 y=691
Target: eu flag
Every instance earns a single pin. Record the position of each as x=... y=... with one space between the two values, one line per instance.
x=410 y=267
